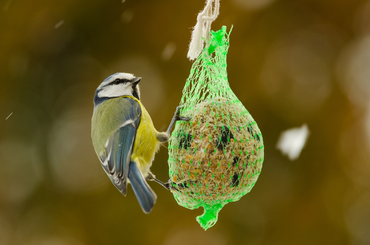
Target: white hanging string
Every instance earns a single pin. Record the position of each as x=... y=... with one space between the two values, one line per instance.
x=202 y=29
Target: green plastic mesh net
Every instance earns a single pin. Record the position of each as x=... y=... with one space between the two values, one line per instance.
x=217 y=156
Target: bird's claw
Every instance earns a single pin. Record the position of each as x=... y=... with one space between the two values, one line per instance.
x=183 y=118
x=169 y=186
x=177 y=114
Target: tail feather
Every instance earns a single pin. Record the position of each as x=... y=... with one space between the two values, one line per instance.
x=144 y=194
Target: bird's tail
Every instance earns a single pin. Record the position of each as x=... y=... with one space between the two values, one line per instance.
x=144 y=194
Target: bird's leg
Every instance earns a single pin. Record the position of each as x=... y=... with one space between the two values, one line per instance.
x=165 y=136
x=175 y=118
x=168 y=186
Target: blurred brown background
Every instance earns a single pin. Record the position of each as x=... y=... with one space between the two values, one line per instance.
x=290 y=62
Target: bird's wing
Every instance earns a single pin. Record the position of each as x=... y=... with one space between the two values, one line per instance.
x=120 y=144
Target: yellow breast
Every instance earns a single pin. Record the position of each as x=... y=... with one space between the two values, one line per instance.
x=146 y=143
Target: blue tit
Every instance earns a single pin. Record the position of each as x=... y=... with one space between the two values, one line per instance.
x=124 y=137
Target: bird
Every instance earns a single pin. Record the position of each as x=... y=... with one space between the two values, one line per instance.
x=124 y=137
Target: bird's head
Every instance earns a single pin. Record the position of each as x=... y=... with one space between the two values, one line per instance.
x=117 y=85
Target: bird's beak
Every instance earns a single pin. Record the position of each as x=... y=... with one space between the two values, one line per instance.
x=136 y=80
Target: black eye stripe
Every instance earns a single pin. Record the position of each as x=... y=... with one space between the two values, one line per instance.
x=118 y=81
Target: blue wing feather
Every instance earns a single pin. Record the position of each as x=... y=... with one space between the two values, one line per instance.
x=123 y=141
x=120 y=146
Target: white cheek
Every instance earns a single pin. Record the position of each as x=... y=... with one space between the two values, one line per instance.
x=114 y=91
